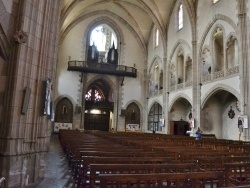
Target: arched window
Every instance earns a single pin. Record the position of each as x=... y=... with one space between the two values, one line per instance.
x=103 y=37
x=154 y=118
x=157 y=37
x=180 y=17
x=94 y=95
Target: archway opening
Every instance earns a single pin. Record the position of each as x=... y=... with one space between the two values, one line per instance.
x=219 y=115
x=102 y=39
x=180 y=117
x=155 y=118
x=98 y=107
x=132 y=119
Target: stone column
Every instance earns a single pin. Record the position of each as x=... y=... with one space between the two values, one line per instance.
x=244 y=68
x=145 y=97
x=82 y=93
x=119 y=121
x=165 y=95
x=33 y=59
x=196 y=86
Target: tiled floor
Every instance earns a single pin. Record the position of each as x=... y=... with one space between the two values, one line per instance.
x=57 y=174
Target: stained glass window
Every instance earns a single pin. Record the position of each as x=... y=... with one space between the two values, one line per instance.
x=94 y=95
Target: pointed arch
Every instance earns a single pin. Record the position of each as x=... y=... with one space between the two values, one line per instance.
x=210 y=25
x=107 y=80
x=64 y=111
x=133 y=114
x=176 y=46
x=216 y=88
x=155 y=116
x=178 y=96
x=137 y=36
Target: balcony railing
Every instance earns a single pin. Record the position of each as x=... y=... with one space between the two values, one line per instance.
x=102 y=68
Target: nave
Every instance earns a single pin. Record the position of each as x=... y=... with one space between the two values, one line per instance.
x=107 y=159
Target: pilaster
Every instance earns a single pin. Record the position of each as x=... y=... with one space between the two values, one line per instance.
x=33 y=59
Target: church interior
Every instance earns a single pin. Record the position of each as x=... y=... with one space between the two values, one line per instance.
x=163 y=68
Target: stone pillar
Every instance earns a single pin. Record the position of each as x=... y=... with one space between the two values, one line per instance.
x=196 y=86
x=26 y=134
x=119 y=120
x=144 y=112
x=244 y=68
x=82 y=93
x=165 y=94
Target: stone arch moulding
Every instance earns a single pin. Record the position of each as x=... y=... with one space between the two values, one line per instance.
x=65 y=96
x=179 y=43
x=110 y=23
x=138 y=36
x=106 y=79
x=156 y=58
x=153 y=102
x=140 y=108
x=210 y=25
x=178 y=96
x=64 y=111
x=136 y=102
x=217 y=88
x=213 y=31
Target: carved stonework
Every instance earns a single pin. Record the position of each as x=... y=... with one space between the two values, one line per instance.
x=231 y=41
x=218 y=74
x=21 y=37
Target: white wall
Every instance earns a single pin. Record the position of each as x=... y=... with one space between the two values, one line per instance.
x=174 y=35
x=207 y=11
x=74 y=45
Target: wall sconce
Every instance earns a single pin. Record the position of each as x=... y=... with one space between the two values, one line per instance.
x=231 y=113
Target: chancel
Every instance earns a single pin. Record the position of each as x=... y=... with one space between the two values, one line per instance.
x=131 y=81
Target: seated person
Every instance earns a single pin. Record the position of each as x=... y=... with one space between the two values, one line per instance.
x=198 y=134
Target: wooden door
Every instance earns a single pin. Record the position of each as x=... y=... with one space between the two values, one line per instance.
x=96 y=122
x=179 y=128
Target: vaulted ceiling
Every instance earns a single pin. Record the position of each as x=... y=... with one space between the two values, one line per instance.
x=140 y=15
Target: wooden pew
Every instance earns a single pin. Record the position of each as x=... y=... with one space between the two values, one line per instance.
x=82 y=167
x=97 y=169
x=180 y=180
x=118 y=146
x=218 y=163
x=237 y=174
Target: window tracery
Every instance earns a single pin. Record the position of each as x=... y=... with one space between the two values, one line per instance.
x=94 y=95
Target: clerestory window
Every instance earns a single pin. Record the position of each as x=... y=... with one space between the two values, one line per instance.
x=180 y=17
x=157 y=37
